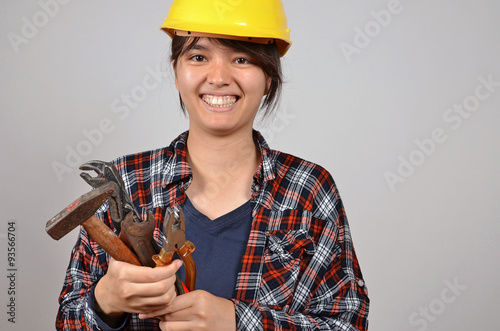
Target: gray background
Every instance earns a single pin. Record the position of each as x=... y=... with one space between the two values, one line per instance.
x=365 y=105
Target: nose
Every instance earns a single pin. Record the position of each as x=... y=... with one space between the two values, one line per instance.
x=219 y=74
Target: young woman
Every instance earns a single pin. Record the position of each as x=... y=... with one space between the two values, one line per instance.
x=274 y=250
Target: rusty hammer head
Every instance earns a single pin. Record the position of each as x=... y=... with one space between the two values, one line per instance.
x=79 y=211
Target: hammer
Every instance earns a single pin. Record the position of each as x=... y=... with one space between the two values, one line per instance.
x=81 y=212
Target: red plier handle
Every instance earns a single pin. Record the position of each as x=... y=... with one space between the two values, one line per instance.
x=174 y=241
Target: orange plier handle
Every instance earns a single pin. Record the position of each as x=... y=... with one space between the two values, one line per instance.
x=174 y=241
x=164 y=258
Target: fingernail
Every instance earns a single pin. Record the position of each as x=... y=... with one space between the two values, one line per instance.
x=178 y=263
x=142 y=316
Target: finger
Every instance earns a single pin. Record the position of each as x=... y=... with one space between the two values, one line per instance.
x=154 y=288
x=141 y=274
x=176 y=308
x=184 y=315
x=153 y=307
x=180 y=303
x=176 y=326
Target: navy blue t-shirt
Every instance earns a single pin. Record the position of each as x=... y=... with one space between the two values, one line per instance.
x=220 y=245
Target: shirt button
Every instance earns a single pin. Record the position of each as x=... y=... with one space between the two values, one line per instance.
x=257 y=187
x=361 y=283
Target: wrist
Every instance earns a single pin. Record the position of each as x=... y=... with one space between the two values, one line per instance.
x=230 y=314
x=102 y=307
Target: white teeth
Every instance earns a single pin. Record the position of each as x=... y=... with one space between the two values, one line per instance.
x=219 y=101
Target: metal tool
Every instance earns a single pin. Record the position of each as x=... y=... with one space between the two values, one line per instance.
x=135 y=232
x=120 y=204
x=81 y=212
x=174 y=241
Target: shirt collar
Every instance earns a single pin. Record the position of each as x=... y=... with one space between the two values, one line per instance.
x=266 y=170
x=177 y=169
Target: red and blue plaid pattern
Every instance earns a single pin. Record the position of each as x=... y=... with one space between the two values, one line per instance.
x=299 y=271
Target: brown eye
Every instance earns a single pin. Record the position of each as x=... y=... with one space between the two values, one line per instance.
x=242 y=60
x=198 y=58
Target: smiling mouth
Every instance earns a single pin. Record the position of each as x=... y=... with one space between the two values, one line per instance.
x=219 y=101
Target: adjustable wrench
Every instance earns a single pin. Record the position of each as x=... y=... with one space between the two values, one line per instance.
x=135 y=232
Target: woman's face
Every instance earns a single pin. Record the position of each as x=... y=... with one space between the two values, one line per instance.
x=220 y=87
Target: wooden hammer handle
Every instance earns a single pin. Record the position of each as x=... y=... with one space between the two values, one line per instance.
x=109 y=241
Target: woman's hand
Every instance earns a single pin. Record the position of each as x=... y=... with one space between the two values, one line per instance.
x=198 y=310
x=127 y=288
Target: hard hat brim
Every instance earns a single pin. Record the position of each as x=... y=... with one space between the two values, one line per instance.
x=282 y=45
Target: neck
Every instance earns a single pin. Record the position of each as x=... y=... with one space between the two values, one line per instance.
x=215 y=154
x=223 y=169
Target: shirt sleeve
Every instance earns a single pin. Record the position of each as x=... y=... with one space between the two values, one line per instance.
x=100 y=322
x=330 y=293
x=87 y=265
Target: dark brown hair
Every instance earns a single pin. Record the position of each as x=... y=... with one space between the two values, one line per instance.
x=266 y=56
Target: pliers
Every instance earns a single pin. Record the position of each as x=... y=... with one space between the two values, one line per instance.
x=174 y=241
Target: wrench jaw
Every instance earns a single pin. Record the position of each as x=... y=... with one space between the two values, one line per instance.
x=99 y=167
x=95 y=182
x=114 y=200
x=119 y=204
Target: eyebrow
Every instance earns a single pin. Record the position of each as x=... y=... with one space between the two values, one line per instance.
x=196 y=46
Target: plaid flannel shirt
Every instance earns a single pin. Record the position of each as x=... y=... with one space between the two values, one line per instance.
x=299 y=271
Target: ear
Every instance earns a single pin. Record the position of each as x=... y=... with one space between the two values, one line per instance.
x=268 y=85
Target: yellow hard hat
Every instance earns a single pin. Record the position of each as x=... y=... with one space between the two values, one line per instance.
x=260 y=21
